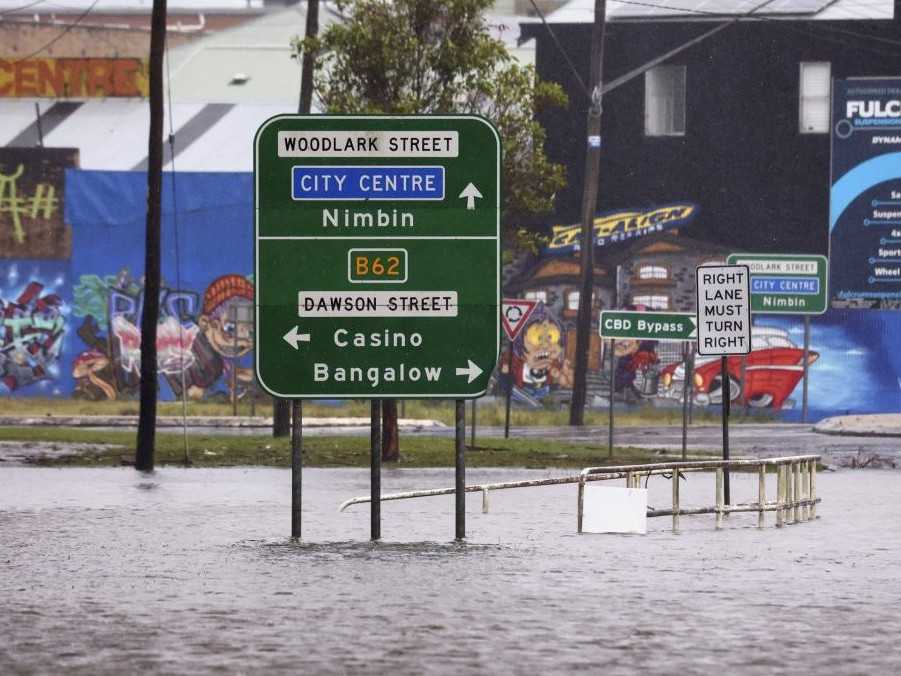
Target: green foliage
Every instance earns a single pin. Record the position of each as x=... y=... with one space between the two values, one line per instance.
x=409 y=57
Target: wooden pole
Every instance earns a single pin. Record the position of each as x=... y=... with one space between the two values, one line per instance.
x=589 y=205
x=150 y=315
x=308 y=61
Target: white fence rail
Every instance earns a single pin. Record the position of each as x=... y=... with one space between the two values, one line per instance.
x=795 y=501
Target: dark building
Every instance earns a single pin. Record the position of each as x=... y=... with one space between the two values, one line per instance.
x=737 y=122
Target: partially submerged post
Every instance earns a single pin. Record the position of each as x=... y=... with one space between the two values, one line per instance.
x=724 y=328
x=296 y=466
x=375 y=469
x=460 y=470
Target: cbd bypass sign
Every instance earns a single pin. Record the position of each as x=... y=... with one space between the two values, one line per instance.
x=377 y=256
x=635 y=325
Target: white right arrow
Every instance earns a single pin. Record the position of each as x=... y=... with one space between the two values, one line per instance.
x=471 y=370
x=470 y=192
x=293 y=338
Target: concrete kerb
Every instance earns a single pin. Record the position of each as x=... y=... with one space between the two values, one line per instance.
x=247 y=422
x=875 y=425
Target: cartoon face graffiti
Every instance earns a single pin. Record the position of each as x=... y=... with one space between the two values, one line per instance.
x=226 y=333
x=539 y=350
x=227 y=319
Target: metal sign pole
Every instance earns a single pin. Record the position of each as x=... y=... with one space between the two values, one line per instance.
x=806 y=367
x=472 y=438
x=375 y=469
x=727 y=393
x=690 y=379
x=612 y=390
x=509 y=390
x=685 y=353
x=296 y=467
x=460 y=502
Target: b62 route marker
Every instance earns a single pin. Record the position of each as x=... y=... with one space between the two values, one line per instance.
x=377 y=256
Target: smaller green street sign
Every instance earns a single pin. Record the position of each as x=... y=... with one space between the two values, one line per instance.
x=630 y=324
x=791 y=284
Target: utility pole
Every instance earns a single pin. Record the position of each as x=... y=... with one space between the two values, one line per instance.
x=309 y=59
x=151 y=312
x=281 y=408
x=589 y=205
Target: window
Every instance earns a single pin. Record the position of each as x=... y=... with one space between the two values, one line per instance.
x=653 y=272
x=537 y=295
x=816 y=77
x=664 y=101
x=652 y=302
x=572 y=300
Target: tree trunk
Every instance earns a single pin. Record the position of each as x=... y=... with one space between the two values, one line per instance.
x=390 y=434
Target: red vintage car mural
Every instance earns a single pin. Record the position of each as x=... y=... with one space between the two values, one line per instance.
x=772 y=370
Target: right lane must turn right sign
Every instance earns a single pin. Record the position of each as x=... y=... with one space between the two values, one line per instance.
x=724 y=310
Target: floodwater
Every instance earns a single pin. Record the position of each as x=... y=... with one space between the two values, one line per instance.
x=108 y=571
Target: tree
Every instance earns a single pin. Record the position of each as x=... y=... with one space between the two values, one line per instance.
x=408 y=57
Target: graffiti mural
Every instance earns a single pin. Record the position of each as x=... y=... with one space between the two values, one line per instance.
x=33 y=316
x=32 y=193
x=201 y=339
x=539 y=363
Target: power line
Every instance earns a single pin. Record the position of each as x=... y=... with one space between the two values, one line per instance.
x=562 y=51
x=22 y=8
x=785 y=22
x=62 y=33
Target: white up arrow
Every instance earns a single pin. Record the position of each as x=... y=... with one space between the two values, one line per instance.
x=470 y=192
x=293 y=338
x=471 y=370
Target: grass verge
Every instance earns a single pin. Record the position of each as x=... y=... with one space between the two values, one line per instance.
x=416 y=451
x=490 y=412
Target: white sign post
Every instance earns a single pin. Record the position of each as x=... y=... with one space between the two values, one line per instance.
x=724 y=328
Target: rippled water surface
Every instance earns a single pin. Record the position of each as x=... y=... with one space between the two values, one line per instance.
x=106 y=571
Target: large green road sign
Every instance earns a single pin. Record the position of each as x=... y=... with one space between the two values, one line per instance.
x=630 y=324
x=792 y=284
x=377 y=256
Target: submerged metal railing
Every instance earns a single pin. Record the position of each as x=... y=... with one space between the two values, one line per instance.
x=795 y=487
x=795 y=501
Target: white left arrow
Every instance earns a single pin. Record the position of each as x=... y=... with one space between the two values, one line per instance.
x=471 y=370
x=294 y=338
x=470 y=192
